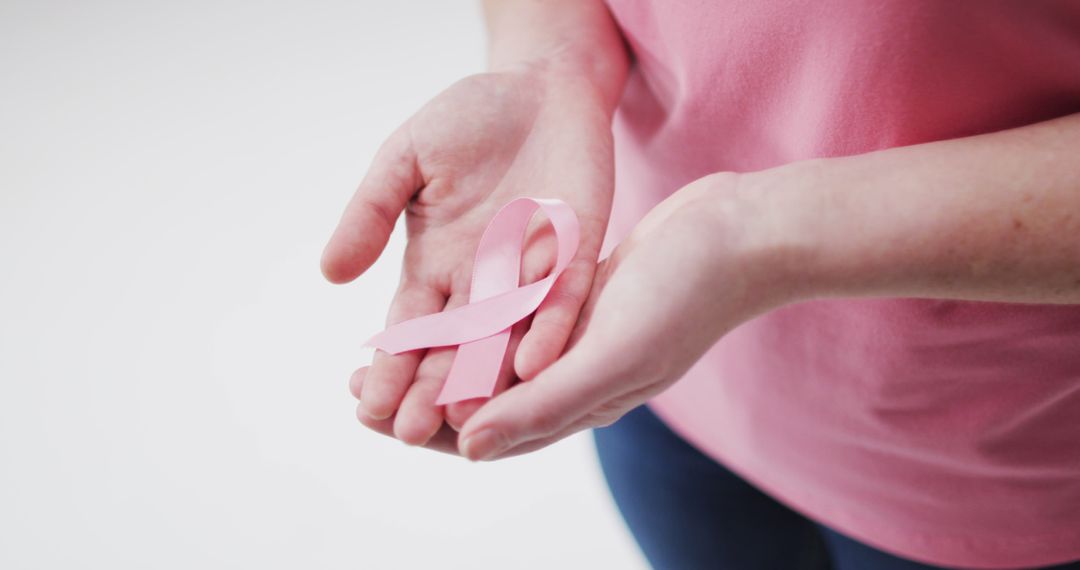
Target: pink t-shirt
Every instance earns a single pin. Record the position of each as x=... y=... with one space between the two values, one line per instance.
x=943 y=431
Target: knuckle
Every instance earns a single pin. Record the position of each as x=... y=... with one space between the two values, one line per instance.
x=380 y=212
x=606 y=415
x=604 y=421
x=543 y=422
x=565 y=298
x=370 y=422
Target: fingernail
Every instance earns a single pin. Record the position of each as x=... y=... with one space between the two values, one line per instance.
x=484 y=445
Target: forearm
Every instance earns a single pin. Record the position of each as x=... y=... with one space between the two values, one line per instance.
x=576 y=40
x=994 y=217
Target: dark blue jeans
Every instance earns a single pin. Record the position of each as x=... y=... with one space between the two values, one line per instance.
x=688 y=512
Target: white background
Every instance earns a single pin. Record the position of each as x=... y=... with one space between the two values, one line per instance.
x=172 y=366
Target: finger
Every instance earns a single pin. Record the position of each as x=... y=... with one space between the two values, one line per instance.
x=444 y=440
x=584 y=319
x=418 y=418
x=370 y=216
x=356 y=381
x=460 y=412
x=538 y=444
x=389 y=376
x=555 y=319
x=604 y=416
x=582 y=381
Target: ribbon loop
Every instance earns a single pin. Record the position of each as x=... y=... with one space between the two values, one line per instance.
x=481 y=329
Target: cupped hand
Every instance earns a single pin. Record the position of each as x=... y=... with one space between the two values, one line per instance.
x=694 y=268
x=481 y=143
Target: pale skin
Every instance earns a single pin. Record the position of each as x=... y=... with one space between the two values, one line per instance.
x=994 y=217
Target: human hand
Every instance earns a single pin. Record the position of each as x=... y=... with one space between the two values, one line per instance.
x=527 y=131
x=695 y=267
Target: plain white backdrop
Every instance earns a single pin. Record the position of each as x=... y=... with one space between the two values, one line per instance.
x=172 y=366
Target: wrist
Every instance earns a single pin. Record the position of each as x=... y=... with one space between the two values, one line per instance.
x=578 y=78
x=577 y=43
x=770 y=224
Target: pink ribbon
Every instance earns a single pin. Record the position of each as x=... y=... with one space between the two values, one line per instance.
x=481 y=329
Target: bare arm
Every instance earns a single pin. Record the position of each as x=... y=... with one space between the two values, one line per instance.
x=994 y=217
x=576 y=38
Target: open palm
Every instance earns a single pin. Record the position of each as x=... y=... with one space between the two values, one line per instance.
x=481 y=143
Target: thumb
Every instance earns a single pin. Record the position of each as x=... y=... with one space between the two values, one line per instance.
x=370 y=216
x=575 y=386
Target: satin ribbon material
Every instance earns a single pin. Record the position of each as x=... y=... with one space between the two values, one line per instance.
x=481 y=329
